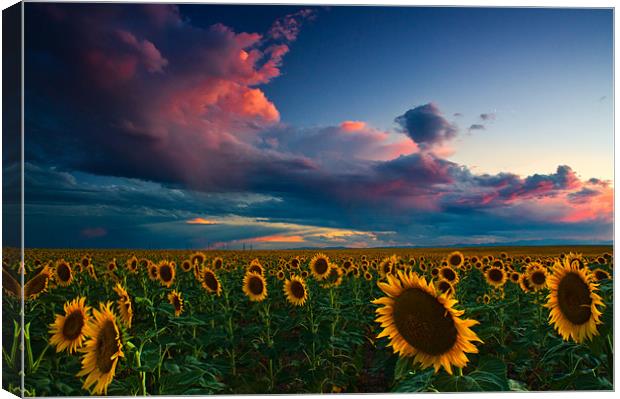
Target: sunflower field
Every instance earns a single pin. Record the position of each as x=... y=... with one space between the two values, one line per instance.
x=149 y=322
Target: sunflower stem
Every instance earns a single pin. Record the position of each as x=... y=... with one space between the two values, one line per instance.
x=28 y=346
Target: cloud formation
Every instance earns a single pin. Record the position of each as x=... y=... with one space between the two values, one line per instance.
x=134 y=139
x=426 y=125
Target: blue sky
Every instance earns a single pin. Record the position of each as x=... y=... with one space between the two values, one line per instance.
x=218 y=126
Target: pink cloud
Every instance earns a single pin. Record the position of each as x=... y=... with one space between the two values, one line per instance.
x=277 y=238
x=94 y=232
x=352 y=126
x=202 y=221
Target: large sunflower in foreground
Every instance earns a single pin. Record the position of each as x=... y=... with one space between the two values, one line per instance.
x=319 y=266
x=296 y=291
x=572 y=301
x=255 y=286
x=101 y=351
x=174 y=298
x=68 y=330
x=423 y=324
x=210 y=282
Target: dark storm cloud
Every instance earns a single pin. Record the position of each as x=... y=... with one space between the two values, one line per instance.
x=426 y=125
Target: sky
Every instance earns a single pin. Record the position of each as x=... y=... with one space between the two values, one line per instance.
x=204 y=126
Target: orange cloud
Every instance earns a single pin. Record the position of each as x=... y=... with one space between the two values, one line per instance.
x=200 y=221
x=278 y=238
x=352 y=126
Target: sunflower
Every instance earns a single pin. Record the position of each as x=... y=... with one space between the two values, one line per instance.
x=319 y=266
x=295 y=263
x=444 y=287
x=495 y=277
x=334 y=279
x=577 y=259
x=124 y=305
x=165 y=273
x=524 y=283
x=132 y=264
x=456 y=259
x=10 y=284
x=176 y=301
x=85 y=262
x=423 y=324
x=186 y=265
x=197 y=258
x=367 y=276
x=304 y=274
x=486 y=299
x=296 y=291
x=255 y=286
x=256 y=267
x=531 y=266
x=102 y=350
x=38 y=284
x=600 y=274
x=387 y=265
x=280 y=275
x=68 y=331
x=514 y=277
x=217 y=263
x=537 y=278
x=449 y=274
x=572 y=301
x=153 y=271
x=210 y=281
x=112 y=265
x=63 y=273
x=91 y=271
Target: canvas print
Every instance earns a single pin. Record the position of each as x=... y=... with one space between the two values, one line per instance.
x=267 y=199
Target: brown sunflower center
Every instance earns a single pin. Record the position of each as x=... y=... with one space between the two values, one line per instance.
x=496 y=275
x=134 y=264
x=601 y=275
x=153 y=271
x=387 y=267
x=73 y=325
x=85 y=262
x=165 y=273
x=454 y=260
x=176 y=302
x=538 y=278
x=297 y=289
x=218 y=263
x=63 y=272
x=424 y=322
x=574 y=299
x=255 y=269
x=321 y=266
x=211 y=281
x=107 y=346
x=444 y=286
x=347 y=265
x=186 y=265
x=256 y=285
x=448 y=274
